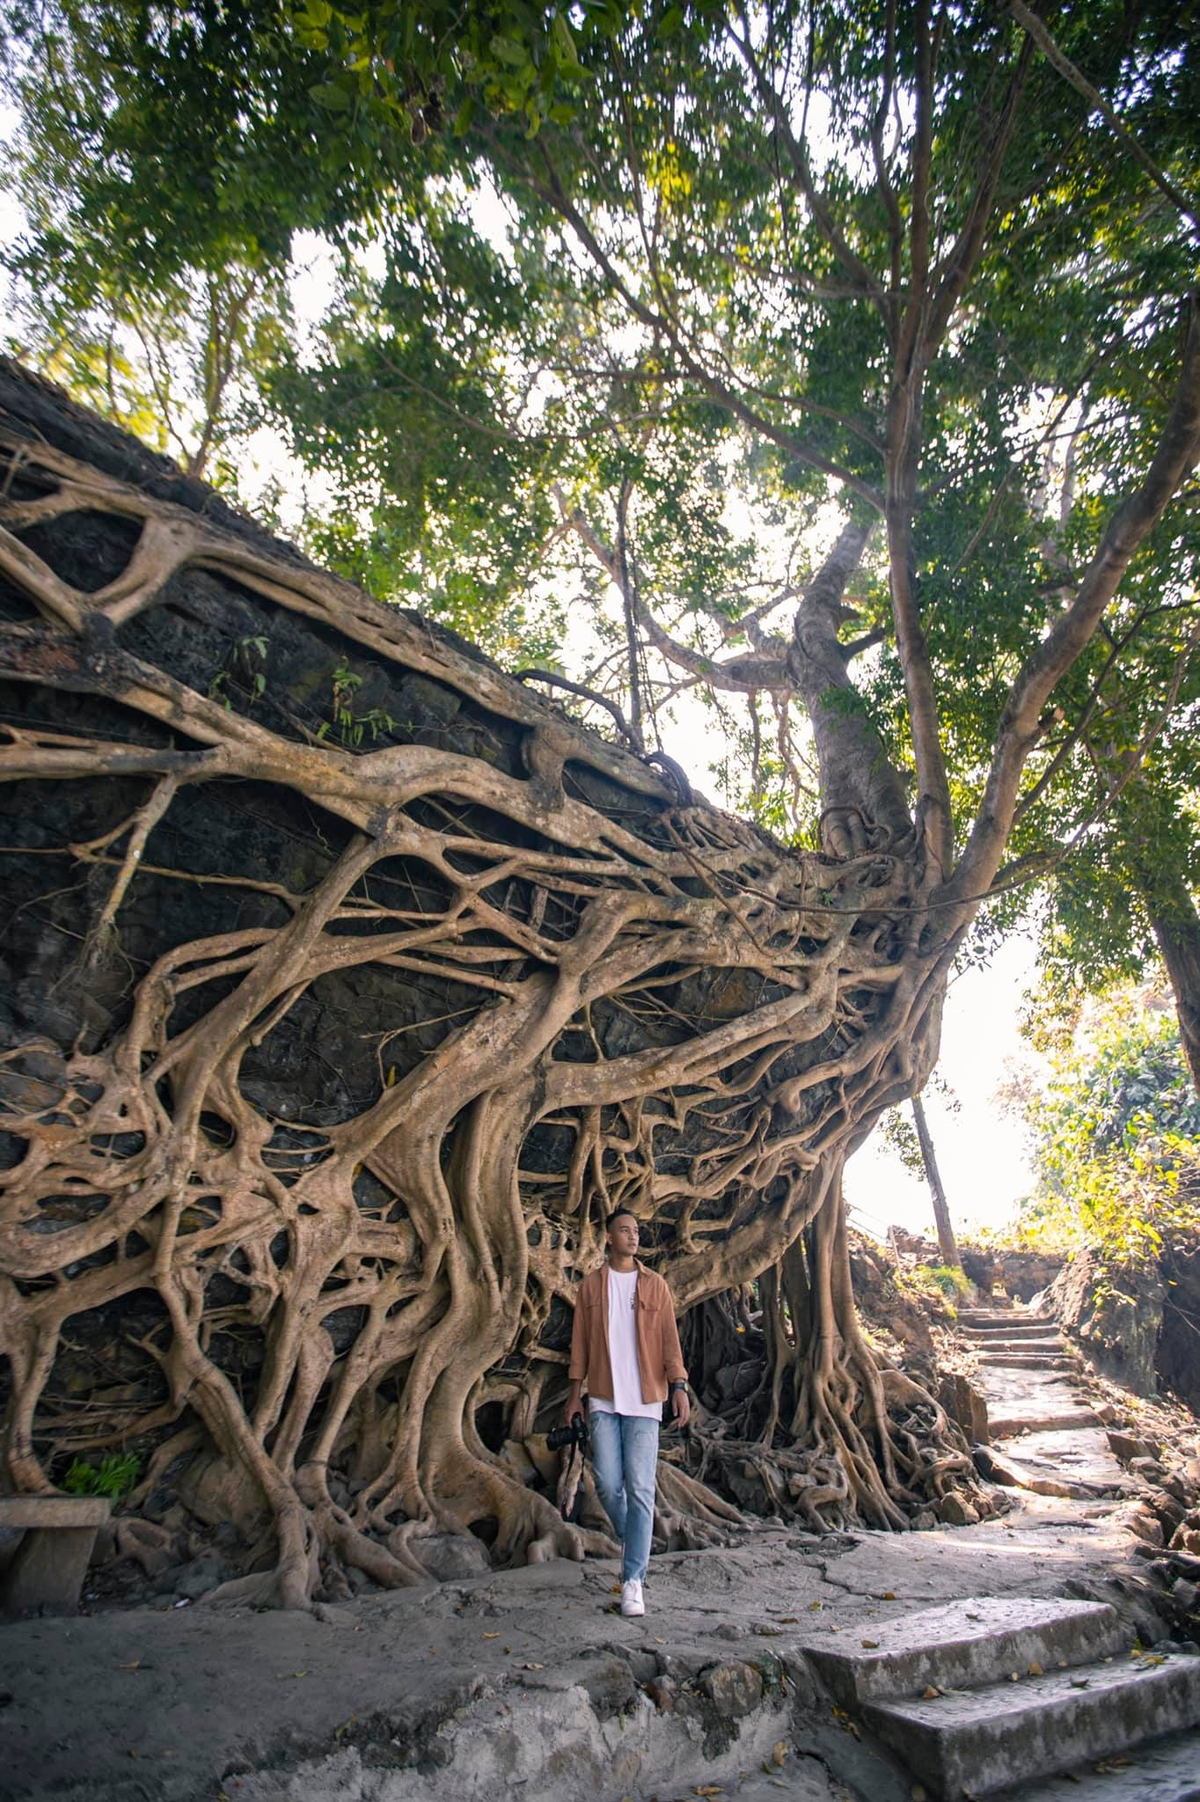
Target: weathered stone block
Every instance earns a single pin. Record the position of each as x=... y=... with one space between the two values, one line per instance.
x=734 y=1689
x=955 y=1512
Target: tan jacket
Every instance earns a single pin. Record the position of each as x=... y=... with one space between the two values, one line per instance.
x=660 y=1360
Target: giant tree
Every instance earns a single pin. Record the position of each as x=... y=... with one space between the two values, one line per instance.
x=884 y=247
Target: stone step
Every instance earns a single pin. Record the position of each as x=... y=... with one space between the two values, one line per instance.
x=988 y=1317
x=1025 y=1360
x=1043 y=1419
x=977 y=1641
x=1055 y=1348
x=1035 y=1329
x=980 y=1741
x=1162 y=1770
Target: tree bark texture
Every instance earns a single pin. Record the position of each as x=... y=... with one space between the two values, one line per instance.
x=350 y=987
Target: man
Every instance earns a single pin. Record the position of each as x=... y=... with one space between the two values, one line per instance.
x=625 y=1346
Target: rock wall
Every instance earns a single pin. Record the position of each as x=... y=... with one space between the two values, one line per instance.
x=1178 y=1355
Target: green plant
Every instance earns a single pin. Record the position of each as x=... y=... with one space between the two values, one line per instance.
x=351 y=726
x=940 y=1280
x=1116 y=1138
x=114 y=1476
x=244 y=651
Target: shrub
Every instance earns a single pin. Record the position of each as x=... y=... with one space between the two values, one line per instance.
x=114 y=1476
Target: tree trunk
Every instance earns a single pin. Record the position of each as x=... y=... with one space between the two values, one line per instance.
x=1176 y=926
x=941 y=1211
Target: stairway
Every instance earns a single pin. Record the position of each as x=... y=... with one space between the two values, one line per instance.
x=991 y=1697
x=1026 y=1372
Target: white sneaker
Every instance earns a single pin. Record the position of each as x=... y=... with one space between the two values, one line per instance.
x=631 y=1598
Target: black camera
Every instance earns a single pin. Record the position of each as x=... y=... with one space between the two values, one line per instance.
x=558 y=1438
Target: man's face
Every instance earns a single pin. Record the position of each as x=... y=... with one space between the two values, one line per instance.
x=623 y=1236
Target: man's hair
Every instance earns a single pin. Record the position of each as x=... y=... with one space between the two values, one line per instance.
x=616 y=1215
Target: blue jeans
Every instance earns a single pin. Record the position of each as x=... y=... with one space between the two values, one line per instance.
x=624 y=1462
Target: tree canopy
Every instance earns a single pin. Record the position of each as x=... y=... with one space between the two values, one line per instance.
x=625 y=261
x=1116 y=1133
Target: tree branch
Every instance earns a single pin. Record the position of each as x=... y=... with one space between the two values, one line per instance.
x=1129 y=527
x=1059 y=60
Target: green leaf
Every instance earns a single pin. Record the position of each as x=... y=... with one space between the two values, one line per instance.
x=329 y=94
x=505 y=50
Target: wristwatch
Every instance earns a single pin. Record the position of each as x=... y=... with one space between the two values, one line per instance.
x=677 y=1385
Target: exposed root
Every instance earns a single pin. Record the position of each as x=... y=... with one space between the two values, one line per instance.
x=593 y=991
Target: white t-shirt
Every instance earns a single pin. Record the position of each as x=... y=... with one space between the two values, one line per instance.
x=622 y=1351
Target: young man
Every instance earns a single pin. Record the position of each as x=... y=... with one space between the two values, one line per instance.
x=625 y=1346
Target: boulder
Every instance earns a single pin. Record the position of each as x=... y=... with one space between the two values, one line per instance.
x=1125 y=1448
x=448 y=1556
x=199 y=1577
x=734 y=1689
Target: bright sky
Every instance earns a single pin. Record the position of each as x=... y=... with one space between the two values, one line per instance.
x=981 y=1153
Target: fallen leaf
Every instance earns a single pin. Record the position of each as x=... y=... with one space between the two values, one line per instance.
x=130 y=1667
x=917 y=1793
x=1035 y=1669
x=1080 y=1682
x=815 y=1606
x=1014 y=1676
x=779 y=1755
x=788 y=1620
x=930 y=1694
x=707 y=1789
x=533 y=1667
x=888 y=1595
x=345 y=1727
x=489 y=1636
x=871 y=1645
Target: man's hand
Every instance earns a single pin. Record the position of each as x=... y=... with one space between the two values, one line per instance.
x=681 y=1407
x=574 y=1403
